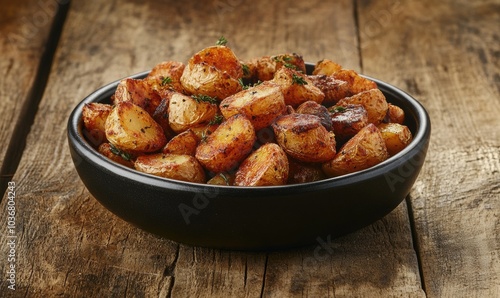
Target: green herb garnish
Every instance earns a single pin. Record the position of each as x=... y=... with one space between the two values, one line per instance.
x=205 y=98
x=216 y=120
x=298 y=80
x=222 y=41
x=246 y=69
x=337 y=109
x=119 y=152
x=166 y=81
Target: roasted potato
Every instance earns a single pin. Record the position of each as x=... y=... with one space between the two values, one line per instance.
x=222 y=179
x=296 y=87
x=94 y=119
x=304 y=138
x=396 y=136
x=366 y=149
x=166 y=76
x=214 y=71
x=264 y=68
x=372 y=100
x=333 y=89
x=130 y=128
x=160 y=115
x=173 y=166
x=355 y=82
x=348 y=120
x=139 y=92
x=314 y=108
x=183 y=143
x=300 y=172
x=185 y=112
x=261 y=104
x=326 y=67
x=116 y=155
x=394 y=114
x=228 y=145
x=268 y=165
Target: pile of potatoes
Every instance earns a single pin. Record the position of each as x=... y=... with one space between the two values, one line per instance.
x=220 y=120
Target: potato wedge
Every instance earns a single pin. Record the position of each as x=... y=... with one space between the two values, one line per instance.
x=264 y=68
x=266 y=166
x=94 y=119
x=333 y=89
x=132 y=129
x=116 y=155
x=326 y=67
x=314 y=108
x=166 y=76
x=348 y=120
x=173 y=166
x=183 y=143
x=228 y=145
x=372 y=100
x=300 y=172
x=366 y=149
x=261 y=104
x=139 y=92
x=304 y=138
x=396 y=136
x=394 y=114
x=214 y=71
x=296 y=87
x=185 y=112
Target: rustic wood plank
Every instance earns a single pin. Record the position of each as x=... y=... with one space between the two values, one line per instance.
x=25 y=30
x=447 y=55
x=69 y=245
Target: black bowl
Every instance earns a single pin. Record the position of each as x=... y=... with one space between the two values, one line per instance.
x=251 y=218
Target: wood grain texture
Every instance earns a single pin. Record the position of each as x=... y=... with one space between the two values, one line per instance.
x=446 y=54
x=25 y=30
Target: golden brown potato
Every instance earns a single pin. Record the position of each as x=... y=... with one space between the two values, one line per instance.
x=261 y=104
x=296 y=87
x=116 y=155
x=228 y=145
x=366 y=149
x=130 y=128
x=185 y=112
x=348 y=120
x=166 y=76
x=303 y=172
x=266 y=166
x=173 y=166
x=372 y=100
x=396 y=136
x=304 y=138
x=264 y=68
x=94 y=119
x=161 y=117
x=139 y=92
x=214 y=71
x=222 y=179
x=355 y=82
x=333 y=89
x=204 y=130
x=314 y=108
x=394 y=114
x=183 y=143
x=326 y=67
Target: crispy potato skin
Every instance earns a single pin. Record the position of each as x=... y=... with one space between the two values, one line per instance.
x=132 y=129
x=268 y=165
x=94 y=120
x=214 y=71
x=348 y=120
x=326 y=67
x=372 y=100
x=333 y=89
x=139 y=92
x=166 y=76
x=366 y=149
x=228 y=145
x=396 y=136
x=173 y=166
x=261 y=104
x=395 y=114
x=184 y=143
x=222 y=179
x=304 y=138
x=300 y=172
x=264 y=68
x=314 y=108
x=185 y=112
x=296 y=93
x=105 y=149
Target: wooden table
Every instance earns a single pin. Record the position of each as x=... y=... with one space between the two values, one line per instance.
x=442 y=241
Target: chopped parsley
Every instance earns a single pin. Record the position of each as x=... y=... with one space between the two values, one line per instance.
x=298 y=80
